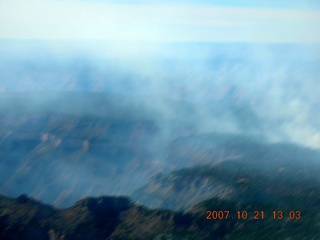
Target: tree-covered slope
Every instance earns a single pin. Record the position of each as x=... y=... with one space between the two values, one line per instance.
x=120 y=218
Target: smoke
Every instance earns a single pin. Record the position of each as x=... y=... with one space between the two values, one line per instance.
x=103 y=116
x=267 y=89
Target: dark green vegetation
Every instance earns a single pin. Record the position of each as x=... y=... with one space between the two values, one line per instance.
x=120 y=218
x=61 y=148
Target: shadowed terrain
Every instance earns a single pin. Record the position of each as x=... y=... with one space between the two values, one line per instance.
x=95 y=144
x=120 y=218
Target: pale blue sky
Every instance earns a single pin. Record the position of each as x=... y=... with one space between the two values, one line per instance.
x=210 y=21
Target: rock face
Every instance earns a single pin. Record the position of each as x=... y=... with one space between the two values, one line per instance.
x=179 y=191
x=60 y=158
x=269 y=174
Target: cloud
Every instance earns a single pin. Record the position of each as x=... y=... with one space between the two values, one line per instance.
x=98 y=20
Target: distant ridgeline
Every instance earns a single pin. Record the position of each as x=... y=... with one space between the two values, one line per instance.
x=60 y=148
x=120 y=218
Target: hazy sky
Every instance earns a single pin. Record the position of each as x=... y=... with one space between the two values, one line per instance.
x=252 y=21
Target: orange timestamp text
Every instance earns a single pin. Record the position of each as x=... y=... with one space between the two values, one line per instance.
x=254 y=215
